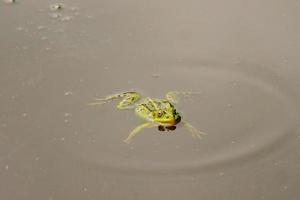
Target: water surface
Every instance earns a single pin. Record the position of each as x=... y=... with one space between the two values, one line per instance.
x=241 y=57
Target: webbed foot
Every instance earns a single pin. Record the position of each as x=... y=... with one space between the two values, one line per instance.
x=136 y=130
x=195 y=133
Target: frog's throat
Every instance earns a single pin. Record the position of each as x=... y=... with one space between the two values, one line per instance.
x=171 y=122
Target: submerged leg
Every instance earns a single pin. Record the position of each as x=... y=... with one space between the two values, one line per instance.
x=129 y=98
x=193 y=130
x=136 y=130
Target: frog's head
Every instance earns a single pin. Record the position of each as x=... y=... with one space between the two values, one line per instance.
x=167 y=117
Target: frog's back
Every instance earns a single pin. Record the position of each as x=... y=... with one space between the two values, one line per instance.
x=148 y=106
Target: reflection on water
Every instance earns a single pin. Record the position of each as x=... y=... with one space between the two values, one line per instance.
x=57 y=55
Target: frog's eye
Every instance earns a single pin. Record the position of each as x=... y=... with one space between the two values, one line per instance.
x=159 y=113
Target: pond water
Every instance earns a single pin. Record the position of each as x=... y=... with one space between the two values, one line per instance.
x=240 y=57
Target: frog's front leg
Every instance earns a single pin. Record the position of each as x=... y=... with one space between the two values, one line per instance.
x=193 y=130
x=136 y=130
x=128 y=99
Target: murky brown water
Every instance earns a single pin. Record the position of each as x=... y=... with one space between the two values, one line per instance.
x=242 y=56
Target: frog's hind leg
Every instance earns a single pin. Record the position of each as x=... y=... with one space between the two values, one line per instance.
x=193 y=130
x=136 y=130
x=100 y=101
x=173 y=96
x=129 y=98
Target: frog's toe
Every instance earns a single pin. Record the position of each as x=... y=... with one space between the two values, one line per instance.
x=95 y=103
x=127 y=141
x=198 y=135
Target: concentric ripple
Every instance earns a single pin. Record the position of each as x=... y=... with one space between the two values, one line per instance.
x=246 y=117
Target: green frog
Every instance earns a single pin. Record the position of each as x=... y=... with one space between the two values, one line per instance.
x=156 y=112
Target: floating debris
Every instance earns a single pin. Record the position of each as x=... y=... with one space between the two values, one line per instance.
x=55 y=15
x=221 y=173
x=9 y=1
x=19 y=28
x=155 y=75
x=60 y=30
x=68 y=114
x=229 y=105
x=66 y=18
x=74 y=8
x=56 y=6
x=41 y=27
x=68 y=93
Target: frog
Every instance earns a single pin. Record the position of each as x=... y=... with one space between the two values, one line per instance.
x=161 y=113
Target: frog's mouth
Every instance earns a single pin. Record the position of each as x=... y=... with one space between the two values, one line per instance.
x=174 y=121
